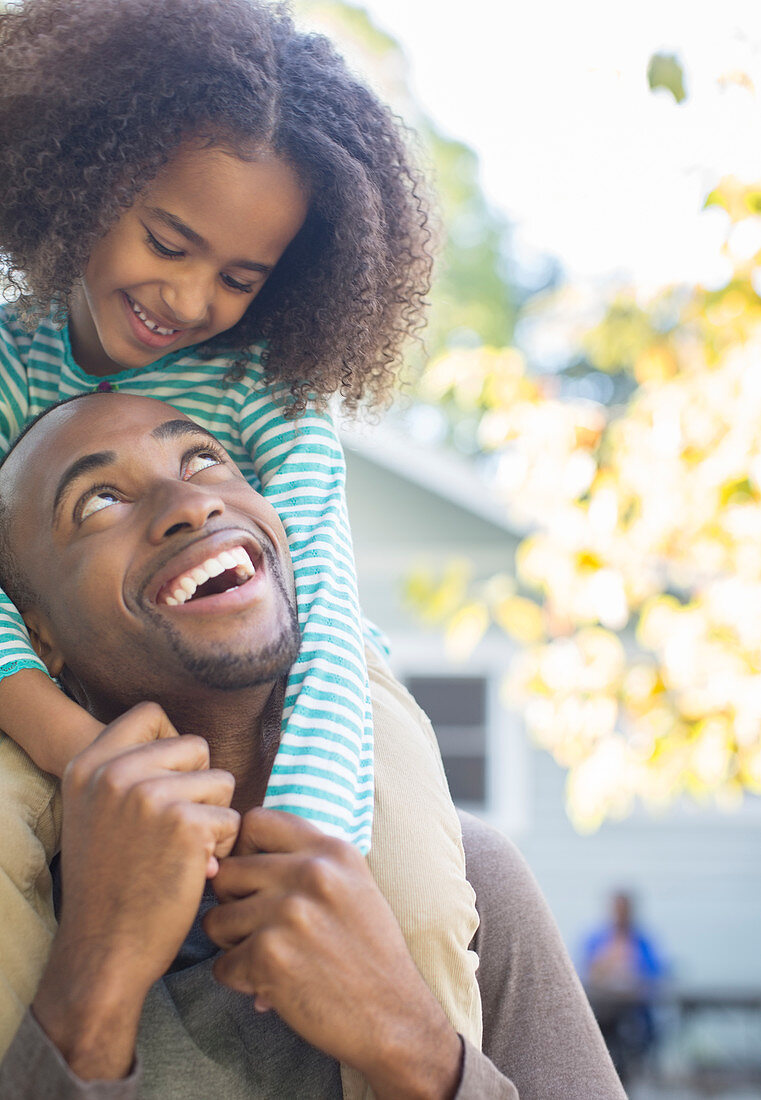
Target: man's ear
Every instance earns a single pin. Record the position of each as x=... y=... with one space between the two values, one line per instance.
x=43 y=642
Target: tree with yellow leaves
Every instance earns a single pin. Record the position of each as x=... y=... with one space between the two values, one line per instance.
x=640 y=609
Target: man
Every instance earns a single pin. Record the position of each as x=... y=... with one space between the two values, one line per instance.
x=119 y=523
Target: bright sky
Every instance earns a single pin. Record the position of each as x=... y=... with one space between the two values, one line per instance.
x=574 y=148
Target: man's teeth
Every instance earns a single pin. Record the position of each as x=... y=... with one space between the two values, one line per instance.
x=184 y=587
x=152 y=324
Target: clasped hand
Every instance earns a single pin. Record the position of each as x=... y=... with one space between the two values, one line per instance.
x=304 y=929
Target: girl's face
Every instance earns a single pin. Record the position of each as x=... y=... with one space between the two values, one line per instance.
x=186 y=260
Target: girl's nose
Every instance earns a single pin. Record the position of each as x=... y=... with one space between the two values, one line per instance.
x=180 y=506
x=188 y=297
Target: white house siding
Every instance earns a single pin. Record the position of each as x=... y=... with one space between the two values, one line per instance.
x=695 y=874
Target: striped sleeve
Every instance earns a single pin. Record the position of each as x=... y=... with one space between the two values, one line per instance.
x=16 y=652
x=324 y=767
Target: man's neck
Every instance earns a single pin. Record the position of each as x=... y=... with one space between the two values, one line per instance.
x=243 y=732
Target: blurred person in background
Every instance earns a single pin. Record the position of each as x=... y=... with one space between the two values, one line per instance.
x=621 y=968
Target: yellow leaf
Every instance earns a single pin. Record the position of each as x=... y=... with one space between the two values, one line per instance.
x=465 y=630
x=437 y=598
x=655 y=364
x=521 y=618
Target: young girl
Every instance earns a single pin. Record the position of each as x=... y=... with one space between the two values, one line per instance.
x=201 y=204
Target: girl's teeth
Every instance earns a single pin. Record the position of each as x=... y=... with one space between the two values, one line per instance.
x=152 y=324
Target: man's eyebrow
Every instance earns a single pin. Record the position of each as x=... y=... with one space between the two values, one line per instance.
x=78 y=468
x=171 y=429
x=189 y=234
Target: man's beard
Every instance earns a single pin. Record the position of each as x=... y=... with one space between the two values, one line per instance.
x=225 y=670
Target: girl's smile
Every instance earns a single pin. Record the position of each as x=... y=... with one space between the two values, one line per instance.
x=184 y=263
x=147 y=327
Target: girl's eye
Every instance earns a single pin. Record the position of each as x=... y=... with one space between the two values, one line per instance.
x=96 y=502
x=244 y=288
x=200 y=461
x=160 y=248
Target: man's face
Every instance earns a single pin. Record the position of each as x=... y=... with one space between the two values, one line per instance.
x=156 y=566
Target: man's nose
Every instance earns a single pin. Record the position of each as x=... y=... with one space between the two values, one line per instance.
x=188 y=296
x=180 y=506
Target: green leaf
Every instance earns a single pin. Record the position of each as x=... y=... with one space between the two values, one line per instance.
x=664 y=71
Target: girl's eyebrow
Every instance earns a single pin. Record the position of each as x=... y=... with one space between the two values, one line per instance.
x=189 y=234
x=179 y=226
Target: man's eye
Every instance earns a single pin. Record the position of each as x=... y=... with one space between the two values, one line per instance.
x=201 y=461
x=101 y=498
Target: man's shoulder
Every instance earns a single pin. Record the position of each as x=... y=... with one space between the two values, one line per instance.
x=390 y=697
x=29 y=801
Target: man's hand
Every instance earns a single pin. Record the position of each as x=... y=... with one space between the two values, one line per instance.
x=144 y=820
x=305 y=929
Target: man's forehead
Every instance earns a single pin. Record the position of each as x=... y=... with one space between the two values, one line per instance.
x=110 y=419
x=71 y=433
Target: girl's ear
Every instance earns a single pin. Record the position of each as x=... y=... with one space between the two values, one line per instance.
x=43 y=642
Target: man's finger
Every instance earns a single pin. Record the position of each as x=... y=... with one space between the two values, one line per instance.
x=228 y=925
x=226 y=832
x=240 y=876
x=214 y=787
x=141 y=725
x=234 y=968
x=171 y=757
x=276 y=831
x=217 y=827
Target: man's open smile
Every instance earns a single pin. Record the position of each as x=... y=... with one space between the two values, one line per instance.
x=228 y=570
x=224 y=571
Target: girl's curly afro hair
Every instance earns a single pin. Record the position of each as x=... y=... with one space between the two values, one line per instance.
x=96 y=95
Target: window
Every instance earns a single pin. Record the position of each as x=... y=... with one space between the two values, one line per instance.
x=457 y=707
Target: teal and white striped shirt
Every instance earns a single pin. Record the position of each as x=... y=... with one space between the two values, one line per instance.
x=324 y=766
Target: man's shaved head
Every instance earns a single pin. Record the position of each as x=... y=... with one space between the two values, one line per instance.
x=13 y=578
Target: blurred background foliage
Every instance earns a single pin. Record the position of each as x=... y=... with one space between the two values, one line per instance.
x=632 y=471
x=475 y=299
